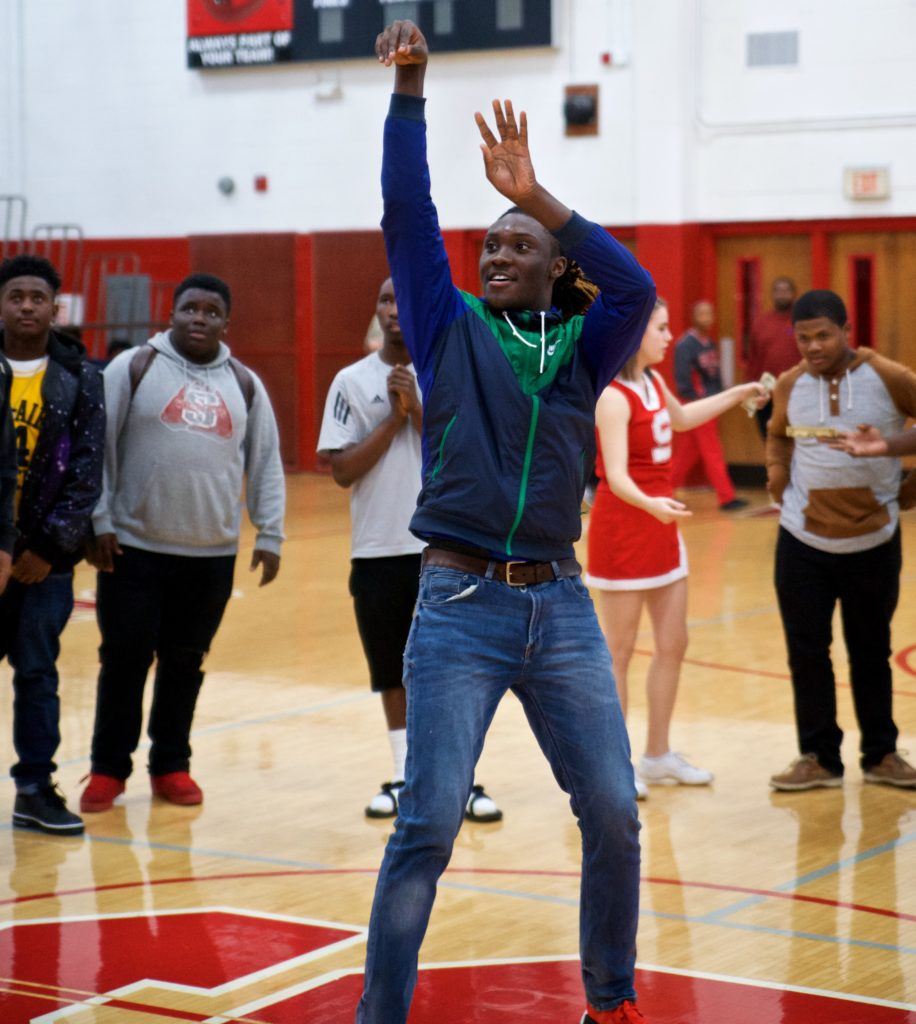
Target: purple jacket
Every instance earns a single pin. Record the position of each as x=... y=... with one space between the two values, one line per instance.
x=64 y=480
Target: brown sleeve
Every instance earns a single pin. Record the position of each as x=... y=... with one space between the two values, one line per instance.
x=780 y=447
x=900 y=382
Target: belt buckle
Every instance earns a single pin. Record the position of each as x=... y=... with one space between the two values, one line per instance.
x=509 y=581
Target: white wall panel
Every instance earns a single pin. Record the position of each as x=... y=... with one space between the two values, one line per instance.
x=102 y=123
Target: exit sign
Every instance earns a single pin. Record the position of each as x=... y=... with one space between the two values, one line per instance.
x=867 y=183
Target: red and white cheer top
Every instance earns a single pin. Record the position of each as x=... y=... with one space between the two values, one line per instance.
x=628 y=549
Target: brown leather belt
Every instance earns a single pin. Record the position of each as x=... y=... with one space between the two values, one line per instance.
x=516 y=574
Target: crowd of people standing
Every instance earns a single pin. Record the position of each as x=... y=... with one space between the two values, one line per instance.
x=467 y=439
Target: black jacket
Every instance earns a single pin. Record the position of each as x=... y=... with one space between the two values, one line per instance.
x=64 y=480
x=7 y=462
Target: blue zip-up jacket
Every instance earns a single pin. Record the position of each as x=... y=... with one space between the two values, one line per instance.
x=507 y=448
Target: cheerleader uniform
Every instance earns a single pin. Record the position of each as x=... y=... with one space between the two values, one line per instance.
x=629 y=549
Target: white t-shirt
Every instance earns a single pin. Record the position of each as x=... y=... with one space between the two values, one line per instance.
x=383 y=501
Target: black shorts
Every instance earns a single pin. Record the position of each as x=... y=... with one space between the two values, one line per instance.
x=384 y=595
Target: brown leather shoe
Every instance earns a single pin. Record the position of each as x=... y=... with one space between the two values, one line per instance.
x=806 y=773
x=892 y=770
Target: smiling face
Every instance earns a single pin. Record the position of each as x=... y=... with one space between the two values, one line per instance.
x=27 y=309
x=519 y=264
x=198 y=321
x=824 y=344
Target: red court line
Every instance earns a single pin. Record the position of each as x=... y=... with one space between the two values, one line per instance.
x=744 y=670
x=532 y=872
x=902 y=659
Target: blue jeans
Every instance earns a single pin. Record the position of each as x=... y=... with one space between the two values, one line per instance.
x=473 y=639
x=32 y=619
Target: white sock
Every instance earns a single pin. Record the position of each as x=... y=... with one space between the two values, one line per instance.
x=398 y=740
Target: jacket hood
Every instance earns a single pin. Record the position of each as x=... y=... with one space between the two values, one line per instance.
x=62 y=348
x=162 y=343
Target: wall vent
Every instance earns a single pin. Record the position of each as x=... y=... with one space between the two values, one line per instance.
x=772 y=49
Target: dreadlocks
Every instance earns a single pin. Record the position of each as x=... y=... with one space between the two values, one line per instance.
x=573 y=293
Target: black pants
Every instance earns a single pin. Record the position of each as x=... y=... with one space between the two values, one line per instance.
x=163 y=606
x=867 y=584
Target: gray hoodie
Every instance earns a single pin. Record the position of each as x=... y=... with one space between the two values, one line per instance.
x=178 y=452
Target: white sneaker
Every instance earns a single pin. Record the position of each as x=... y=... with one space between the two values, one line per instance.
x=642 y=790
x=481 y=806
x=672 y=769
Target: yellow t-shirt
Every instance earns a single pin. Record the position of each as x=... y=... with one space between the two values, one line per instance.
x=28 y=408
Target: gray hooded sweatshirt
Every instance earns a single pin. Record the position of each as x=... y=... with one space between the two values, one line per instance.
x=178 y=452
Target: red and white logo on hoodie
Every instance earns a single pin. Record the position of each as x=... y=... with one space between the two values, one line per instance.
x=199 y=408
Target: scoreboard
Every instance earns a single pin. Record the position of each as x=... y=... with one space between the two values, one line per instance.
x=246 y=33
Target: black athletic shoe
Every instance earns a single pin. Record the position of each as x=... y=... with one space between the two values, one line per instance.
x=734 y=505
x=46 y=811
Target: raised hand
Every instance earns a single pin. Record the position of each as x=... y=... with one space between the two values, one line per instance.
x=401 y=43
x=507 y=160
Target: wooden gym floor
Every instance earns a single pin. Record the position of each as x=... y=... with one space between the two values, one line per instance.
x=756 y=908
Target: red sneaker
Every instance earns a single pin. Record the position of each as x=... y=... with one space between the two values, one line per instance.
x=100 y=794
x=625 y=1013
x=177 y=788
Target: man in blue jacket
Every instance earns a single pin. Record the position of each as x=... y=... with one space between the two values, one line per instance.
x=59 y=422
x=509 y=387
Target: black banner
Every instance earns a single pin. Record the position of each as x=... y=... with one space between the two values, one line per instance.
x=246 y=33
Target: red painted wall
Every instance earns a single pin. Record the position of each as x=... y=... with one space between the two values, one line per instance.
x=303 y=302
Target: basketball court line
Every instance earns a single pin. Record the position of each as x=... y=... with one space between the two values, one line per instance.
x=714 y=918
x=765 y=673
x=239 y=1014
x=116 y=996
x=531 y=872
x=346 y=972
x=819 y=873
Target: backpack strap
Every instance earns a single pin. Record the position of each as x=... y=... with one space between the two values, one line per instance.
x=143 y=358
x=140 y=362
x=245 y=381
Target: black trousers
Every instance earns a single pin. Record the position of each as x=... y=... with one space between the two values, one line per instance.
x=163 y=606
x=867 y=584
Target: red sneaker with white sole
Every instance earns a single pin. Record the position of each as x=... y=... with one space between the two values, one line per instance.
x=100 y=793
x=177 y=788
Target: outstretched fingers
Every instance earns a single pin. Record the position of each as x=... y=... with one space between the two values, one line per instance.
x=508 y=128
x=488 y=137
x=500 y=118
x=511 y=126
